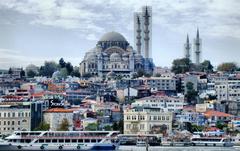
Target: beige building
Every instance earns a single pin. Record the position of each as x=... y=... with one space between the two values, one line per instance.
x=144 y=120
x=55 y=116
x=14 y=117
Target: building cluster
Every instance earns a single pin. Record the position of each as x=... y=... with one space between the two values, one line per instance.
x=112 y=98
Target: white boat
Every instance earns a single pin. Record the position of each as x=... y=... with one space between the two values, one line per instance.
x=60 y=140
x=211 y=141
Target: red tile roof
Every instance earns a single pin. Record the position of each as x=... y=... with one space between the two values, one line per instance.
x=60 y=110
x=210 y=113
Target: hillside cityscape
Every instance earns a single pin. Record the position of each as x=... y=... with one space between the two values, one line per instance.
x=118 y=92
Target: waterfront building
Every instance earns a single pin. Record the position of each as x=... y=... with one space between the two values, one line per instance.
x=144 y=120
x=14 y=117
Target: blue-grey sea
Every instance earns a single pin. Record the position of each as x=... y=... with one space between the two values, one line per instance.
x=189 y=148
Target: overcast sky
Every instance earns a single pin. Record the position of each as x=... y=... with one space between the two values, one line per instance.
x=32 y=31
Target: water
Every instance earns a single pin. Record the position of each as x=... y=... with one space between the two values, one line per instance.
x=190 y=148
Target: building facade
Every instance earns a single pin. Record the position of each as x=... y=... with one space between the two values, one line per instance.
x=167 y=103
x=143 y=120
x=14 y=117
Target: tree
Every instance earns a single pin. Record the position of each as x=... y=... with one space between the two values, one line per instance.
x=48 y=68
x=181 y=65
x=191 y=93
x=69 y=68
x=75 y=72
x=62 y=63
x=63 y=73
x=206 y=66
x=22 y=73
x=221 y=125
x=227 y=67
x=91 y=127
x=107 y=128
x=118 y=126
x=10 y=71
x=31 y=73
x=64 y=125
x=42 y=127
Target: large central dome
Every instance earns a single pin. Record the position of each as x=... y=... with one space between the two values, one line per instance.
x=112 y=36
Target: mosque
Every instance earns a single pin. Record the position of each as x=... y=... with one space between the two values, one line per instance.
x=114 y=56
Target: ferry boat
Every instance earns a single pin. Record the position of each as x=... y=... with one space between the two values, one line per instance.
x=61 y=140
x=211 y=141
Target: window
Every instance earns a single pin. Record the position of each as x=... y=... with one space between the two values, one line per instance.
x=9 y=115
x=19 y=122
x=13 y=114
x=13 y=122
x=8 y=122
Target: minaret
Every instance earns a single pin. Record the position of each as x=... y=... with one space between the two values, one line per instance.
x=146 y=32
x=187 y=48
x=198 y=44
x=138 y=35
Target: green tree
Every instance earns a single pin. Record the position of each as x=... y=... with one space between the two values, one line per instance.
x=22 y=73
x=64 y=125
x=206 y=66
x=69 y=68
x=191 y=93
x=87 y=75
x=196 y=128
x=63 y=73
x=107 y=128
x=91 y=127
x=48 y=68
x=10 y=71
x=118 y=126
x=227 y=67
x=75 y=72
x=181 y=65
x=42 y=127
x=31 y=73
x=221 y=125
x=62 y=63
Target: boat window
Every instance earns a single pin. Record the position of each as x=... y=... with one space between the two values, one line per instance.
x=48 y=141
x=98 y=140
x=54 y=141
x=67 y=140
x=74 y=140
x=80 y=140
x=93 y=140
x=41 y=140
x=28 y=140
x=60 y=141
x=87 y=140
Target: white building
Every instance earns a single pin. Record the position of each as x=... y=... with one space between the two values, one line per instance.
x=143 y=120
x=163 y=83
x=55 y=116
x=167 y=103
x=14 y=117
x=227 y=89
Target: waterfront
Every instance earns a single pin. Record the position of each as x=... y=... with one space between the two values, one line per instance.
x=190 y=148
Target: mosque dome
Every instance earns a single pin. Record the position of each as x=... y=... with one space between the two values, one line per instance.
x=115 y=57
x=112 y=36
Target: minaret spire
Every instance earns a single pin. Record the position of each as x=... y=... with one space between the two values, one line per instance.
x=146 y=31
x=139 y=35
x=187 y=48
x=198 y=44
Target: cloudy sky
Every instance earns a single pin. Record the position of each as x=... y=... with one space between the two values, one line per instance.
x=32 y=31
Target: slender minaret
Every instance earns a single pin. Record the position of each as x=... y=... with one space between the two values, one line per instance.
x=187 y=48
x=146 y=32
x=139 y=37
x=197 y=44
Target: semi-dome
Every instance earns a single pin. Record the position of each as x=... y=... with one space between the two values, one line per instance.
x=112 y=36
x=115 y=57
